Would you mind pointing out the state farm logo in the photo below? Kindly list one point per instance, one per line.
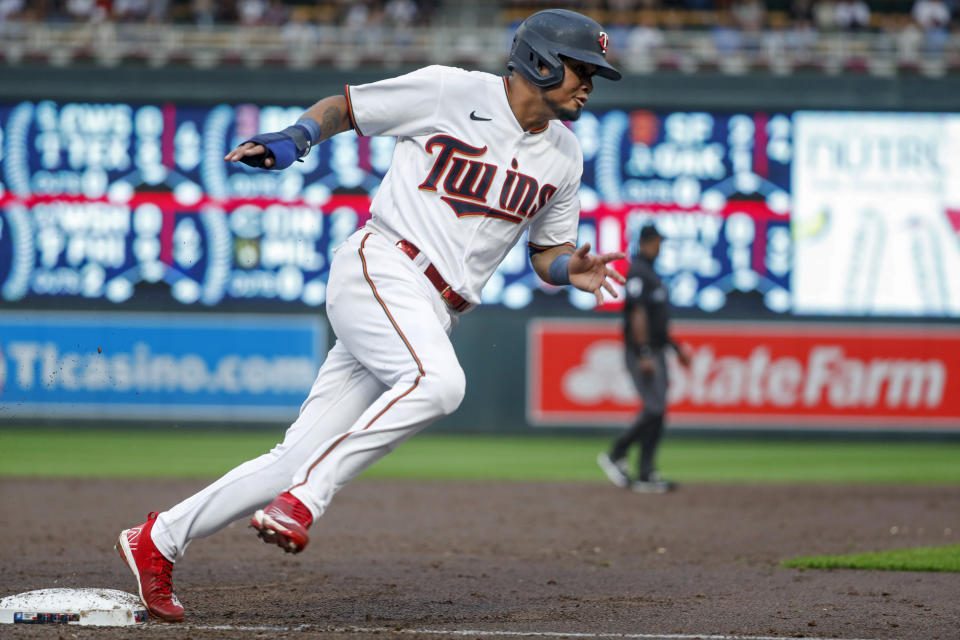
(602, 375)
(767, 375)
(827, 376)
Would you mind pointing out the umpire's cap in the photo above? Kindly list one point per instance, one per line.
(542, 38)
(649, 232)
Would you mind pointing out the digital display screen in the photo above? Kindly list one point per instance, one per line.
(877, 214)
(98, 199)
(716, 185)
(134, 203)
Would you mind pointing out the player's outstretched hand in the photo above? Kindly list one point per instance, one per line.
(248, 150)
(589, 272)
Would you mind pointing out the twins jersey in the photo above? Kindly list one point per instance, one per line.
(466, 180)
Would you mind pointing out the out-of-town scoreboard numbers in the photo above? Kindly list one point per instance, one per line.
(121, 202)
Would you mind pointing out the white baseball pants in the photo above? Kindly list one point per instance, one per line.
(391, 373)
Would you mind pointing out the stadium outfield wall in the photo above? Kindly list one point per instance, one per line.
(530, 371)
(812, 228)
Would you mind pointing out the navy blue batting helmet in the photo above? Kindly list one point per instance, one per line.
(542, 38)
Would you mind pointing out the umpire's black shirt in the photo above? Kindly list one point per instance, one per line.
(645, 288)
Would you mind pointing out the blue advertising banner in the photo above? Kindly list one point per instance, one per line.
(157, 366)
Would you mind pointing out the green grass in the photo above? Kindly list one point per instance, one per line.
(918, 559)
(184, 453)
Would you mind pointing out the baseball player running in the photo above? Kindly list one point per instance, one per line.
(479, 161)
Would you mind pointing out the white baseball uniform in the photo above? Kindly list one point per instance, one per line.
(464, 184)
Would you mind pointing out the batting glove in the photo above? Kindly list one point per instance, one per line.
(284, 147)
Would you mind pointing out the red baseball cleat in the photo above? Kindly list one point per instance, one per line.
(284, 523)
(152, 571)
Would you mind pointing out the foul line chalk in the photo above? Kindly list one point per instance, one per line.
(501, 634)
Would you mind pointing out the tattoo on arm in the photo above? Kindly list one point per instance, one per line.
(332, 122)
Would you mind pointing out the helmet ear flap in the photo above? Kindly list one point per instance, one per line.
(527, 59)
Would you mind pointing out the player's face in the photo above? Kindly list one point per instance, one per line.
(566, 100)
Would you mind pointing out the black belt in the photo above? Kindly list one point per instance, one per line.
(451, 297)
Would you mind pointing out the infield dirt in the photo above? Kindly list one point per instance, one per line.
(547, 557)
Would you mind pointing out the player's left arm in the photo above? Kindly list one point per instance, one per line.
(406, 105)
(562, 264)
(279, 150)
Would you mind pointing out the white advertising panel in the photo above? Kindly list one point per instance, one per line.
(874, 216)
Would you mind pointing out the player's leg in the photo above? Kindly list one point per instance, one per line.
(342, 390)
(394, 322)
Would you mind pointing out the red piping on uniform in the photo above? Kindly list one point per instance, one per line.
(383, 304)
(353, 121)
(350, 433)
(416, 382)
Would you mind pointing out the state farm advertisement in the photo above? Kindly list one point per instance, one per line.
(754, 375)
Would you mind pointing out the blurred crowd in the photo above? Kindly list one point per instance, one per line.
(795, 27)
(220, 12)
(636, 27)
(747, 15)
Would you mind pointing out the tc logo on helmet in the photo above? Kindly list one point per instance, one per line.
(604, 41)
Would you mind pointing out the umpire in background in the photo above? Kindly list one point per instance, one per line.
(646, 336)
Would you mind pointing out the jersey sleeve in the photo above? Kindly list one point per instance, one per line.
(558, 223)
(403, 106)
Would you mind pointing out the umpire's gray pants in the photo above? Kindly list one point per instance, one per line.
(652, 386)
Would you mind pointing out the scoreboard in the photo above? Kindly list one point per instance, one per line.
(716, 185)
(133, 204)
(123, 202)
(102, 198)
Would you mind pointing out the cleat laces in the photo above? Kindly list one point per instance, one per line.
(164, 579)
